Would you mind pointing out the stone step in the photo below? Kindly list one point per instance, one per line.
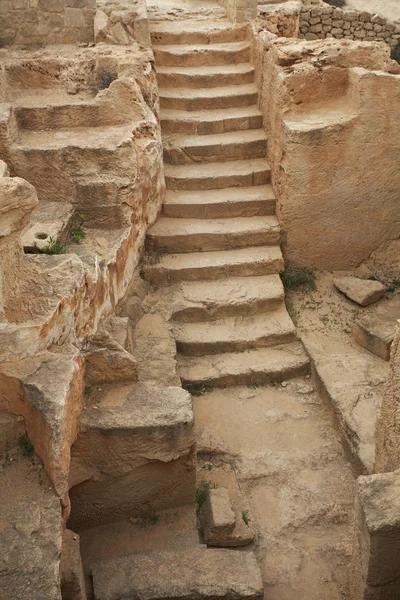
(196, 32)
(205, 77)
(213, 176)
(144, 425)
(243, 262)
(234, 145)
(103, 150)
(261, 366)
(195, 573)
(202, 235)
(227, 202)
(233, 334)
(204, 122)
(47, 116)
(230, 96)
(208, 300)
(200, 55)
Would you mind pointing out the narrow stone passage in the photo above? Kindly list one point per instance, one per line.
(216, 262)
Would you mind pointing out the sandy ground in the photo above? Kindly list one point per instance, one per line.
(298, 484)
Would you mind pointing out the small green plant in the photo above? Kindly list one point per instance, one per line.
(245, 517)
(88, 391)
(105, 79)
(298, 277)
(26, 446)
(201, 494)
(197, 389)
(53, 246)
(150, 517)
(78, 232)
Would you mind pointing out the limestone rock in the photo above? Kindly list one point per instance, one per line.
(30, 540)
(375, 333)
(362, 291)
(191, 575)
(209, 442)
(71, 569)
(17, 200)
(217, 517)
(375, 570)
(107, 361)
(3, 169)
(120, 331)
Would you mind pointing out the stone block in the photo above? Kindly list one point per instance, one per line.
(217, 517)
(4, 172)
(106, 361)
(73, 17)
(17, 200)
(199, 573)
(375, 333)
(71, 569)
(135, 451)
(361, 291)
(375, 568)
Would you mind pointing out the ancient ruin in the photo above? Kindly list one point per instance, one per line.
(199, 300)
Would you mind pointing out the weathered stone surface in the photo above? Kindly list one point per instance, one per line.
(375, 333)
(353, 383)
(48, 221)
(375, 570)
(193, 574)
(107, 361)
(17, 200)
(362, 291)
(387, 456)
(31, 526)
(71, 570)
(135, 451)
(309, 136)
(217, 517)
(3, 169)
(47, 392)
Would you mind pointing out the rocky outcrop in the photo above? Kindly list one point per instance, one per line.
(315, 138)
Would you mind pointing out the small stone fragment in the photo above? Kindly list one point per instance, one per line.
(362, 291)
(217, 517)
(376, 334)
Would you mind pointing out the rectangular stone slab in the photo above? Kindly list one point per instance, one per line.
(191, 575)
(376, 334)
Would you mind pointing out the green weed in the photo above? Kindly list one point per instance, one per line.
(201, 494)
(53, 246)
(294, 278)
(245, 517)
(197, 389)
(150, 517)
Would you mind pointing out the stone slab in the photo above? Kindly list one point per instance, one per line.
(361, 291)
(217, 516)
(376, 334)
(191, 575)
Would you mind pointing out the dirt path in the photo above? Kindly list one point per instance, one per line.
(292, 467)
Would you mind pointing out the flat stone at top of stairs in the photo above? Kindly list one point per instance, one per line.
(203, 300)
(203, 122)
(235, 333)
(91, 137)
(189, 235)
(242, 262)
(238, 173)
(196, 32)
(226, 202)
(190, 575)
(260, 366)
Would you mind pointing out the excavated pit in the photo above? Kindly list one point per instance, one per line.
(175, 422)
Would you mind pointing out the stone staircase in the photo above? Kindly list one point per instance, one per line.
(216, 244)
